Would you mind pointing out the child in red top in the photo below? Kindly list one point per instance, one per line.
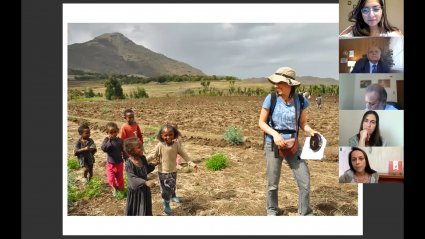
(131, 128)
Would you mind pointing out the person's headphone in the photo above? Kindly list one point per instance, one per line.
(316, 142)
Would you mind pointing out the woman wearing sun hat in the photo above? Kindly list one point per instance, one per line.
(285, 127)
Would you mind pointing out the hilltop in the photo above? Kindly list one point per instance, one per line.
(115, 53)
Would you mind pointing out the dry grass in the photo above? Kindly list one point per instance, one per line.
(170, 88)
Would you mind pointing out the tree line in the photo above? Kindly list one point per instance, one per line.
(114, 90)
(134, 79)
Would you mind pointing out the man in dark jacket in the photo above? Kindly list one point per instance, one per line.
(371, 64)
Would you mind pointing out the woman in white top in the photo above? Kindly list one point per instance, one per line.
(370, 19)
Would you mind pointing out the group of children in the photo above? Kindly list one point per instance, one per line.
(127, 148)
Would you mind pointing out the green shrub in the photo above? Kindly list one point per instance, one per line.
(73, 163)
(105, 110)
(216, 162)
(140, 92)
(233, 135)
(74, 94)
(189, 92)
(89, 93)
(94, 188)
(121, 194)
(73, 194)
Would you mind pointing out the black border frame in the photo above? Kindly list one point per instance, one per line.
(41, 109)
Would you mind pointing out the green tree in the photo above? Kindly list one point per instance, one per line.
(162, 79)
(387, 57)
(113, 89)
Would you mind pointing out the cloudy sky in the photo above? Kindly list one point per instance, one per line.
(243, 50)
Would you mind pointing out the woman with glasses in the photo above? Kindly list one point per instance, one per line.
(370, 19)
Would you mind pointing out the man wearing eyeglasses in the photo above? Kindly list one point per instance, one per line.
(376, 98)
(372, 63)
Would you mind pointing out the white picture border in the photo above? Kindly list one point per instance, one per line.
(198, 225)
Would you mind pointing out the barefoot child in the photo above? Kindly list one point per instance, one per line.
(166, 151)
(84, 149)
(139, 198)
(113, 147)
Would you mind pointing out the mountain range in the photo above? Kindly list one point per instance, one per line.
(115, 53)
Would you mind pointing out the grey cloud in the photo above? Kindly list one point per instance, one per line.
(242, 50)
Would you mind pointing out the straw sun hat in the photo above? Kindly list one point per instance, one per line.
(285, 74)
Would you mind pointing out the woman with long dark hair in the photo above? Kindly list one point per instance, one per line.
(369, 134)
(370, 19)
(360, 170)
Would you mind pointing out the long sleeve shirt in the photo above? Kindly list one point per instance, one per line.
(114, 150)
(137, 176)
(167, 155)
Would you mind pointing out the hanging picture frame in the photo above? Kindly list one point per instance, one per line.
(365, 83)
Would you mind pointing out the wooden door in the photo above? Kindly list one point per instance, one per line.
(400, 93)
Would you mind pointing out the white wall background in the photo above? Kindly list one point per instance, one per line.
(379, 157)
(346, 91)
(351, 96)
(391, 125)
(397, 45)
